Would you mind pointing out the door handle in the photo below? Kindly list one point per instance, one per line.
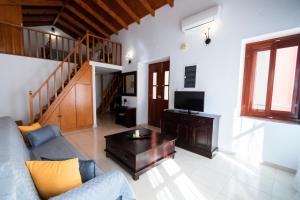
(158, 96)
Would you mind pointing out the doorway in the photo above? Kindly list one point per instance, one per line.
(158, 96)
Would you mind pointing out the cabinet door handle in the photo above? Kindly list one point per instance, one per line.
(59, 116)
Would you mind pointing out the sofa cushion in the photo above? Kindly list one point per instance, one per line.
(30, 128)
(15, 180)
(42, 135)
(52, 178)
(86, 167)
(112, 185)
(26, 129)
(58, 148)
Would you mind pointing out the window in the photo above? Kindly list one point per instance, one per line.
(271, 87)
(154, 85)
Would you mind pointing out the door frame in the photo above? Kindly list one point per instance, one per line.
(149, 89)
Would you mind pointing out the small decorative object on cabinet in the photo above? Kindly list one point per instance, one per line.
(126, 116)
(194, 132)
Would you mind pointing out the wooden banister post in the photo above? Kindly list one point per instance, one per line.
(87, 46)
(31, 107)
(79, 52)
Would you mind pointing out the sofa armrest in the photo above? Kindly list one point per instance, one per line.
(109, 186)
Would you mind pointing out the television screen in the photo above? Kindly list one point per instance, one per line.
(192, 101)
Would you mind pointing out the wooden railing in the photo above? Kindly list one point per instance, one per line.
(104, 50)
(33, 43)
(50, 89)
(110, 52)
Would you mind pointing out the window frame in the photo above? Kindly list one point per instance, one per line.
(249, 80)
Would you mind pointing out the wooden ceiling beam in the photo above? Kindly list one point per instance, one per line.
(170, 2)
(148, 7)
(70, 28)
(36, 23)
(41, 2)
(109, 11)
(86, 19)
(67, 31)
(68, 18)
(38, 18)
(128, 10)
(85, 6)
(58, 16)
(40, 12)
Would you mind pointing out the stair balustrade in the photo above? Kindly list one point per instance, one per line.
(45, 96)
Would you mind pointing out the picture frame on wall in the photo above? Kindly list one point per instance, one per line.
(190, 76)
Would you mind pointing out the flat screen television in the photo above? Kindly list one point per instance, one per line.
(190, 101)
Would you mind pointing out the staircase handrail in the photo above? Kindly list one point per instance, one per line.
(60, 66)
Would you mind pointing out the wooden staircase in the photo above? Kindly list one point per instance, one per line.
(112, 91)
(44, 101)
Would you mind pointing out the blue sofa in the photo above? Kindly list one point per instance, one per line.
(16, 182)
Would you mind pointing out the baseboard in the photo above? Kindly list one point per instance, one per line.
(269, 164)
(293, 171)
(226, 151)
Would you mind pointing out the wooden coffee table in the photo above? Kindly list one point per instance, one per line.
(139, 155)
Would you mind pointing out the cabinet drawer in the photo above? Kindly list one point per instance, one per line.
(122, 155)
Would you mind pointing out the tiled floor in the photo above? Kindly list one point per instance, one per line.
(190, 176)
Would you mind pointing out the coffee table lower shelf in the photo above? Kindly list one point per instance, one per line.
(135, 174)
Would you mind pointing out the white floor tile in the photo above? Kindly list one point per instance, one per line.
(190, 176)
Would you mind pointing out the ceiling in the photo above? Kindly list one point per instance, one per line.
(101, 17)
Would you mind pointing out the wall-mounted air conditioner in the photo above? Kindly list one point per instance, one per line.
(200, 19)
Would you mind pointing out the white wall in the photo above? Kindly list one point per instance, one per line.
(219, 71)
(18, 76)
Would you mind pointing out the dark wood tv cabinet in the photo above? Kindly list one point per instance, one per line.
(194, 132)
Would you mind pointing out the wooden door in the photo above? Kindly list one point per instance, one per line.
(68, 112)
(84, 106)
(158, 97)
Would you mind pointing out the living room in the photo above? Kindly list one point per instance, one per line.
(232, 142)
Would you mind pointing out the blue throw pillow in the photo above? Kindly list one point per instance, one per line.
(87, 168)
(42, 135)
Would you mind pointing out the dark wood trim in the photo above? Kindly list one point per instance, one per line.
(249, 80)
(124, 83)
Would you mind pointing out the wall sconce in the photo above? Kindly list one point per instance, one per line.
(129, 56)
(207, 38)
